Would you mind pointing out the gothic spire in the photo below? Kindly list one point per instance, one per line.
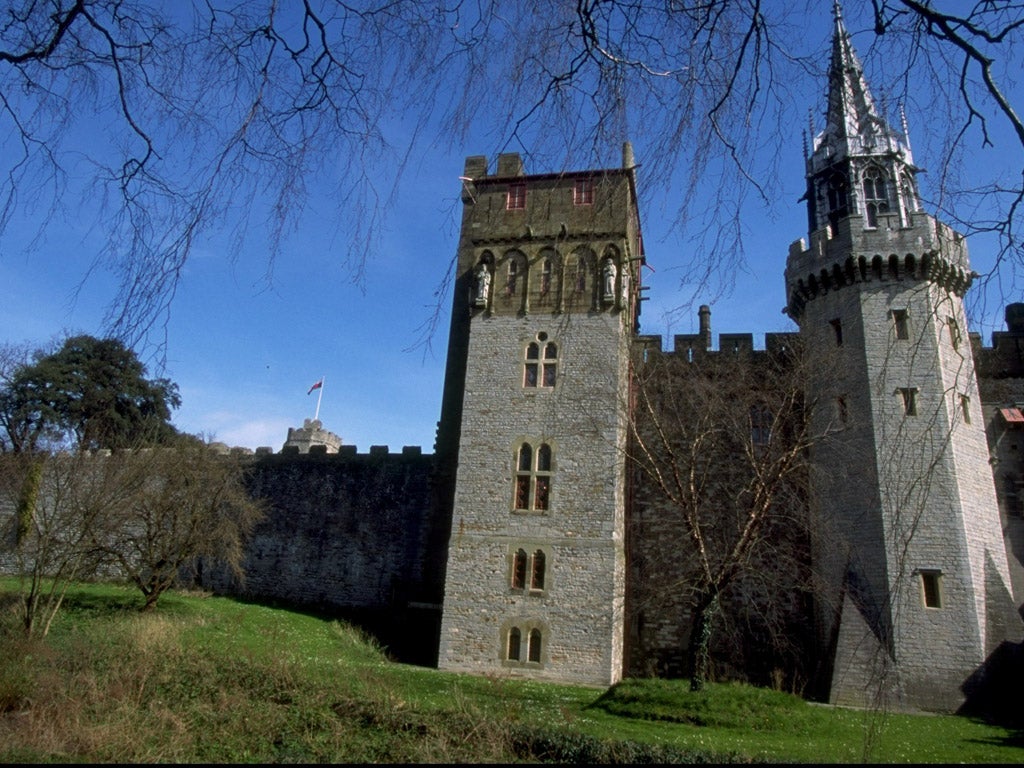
(853, 125)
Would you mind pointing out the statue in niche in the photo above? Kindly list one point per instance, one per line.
(483, 284)
(608, 287)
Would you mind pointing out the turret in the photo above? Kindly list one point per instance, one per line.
(908, 548)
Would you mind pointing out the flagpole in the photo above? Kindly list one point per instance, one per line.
(319, 397)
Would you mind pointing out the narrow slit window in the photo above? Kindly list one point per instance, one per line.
(837, 328)
(842, 410)
(965, 408)
(900, 324)
(909, 398)
(954, 332)
(931, 588)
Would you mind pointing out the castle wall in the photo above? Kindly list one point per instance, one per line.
(348, 532)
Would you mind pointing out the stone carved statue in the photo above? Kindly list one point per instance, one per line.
(608, 287)
(483, 284)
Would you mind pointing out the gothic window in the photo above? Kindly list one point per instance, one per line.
(900, 323)
(516, 197)
(954, 332)
(514, 643)
(533, 478)
(931, 588)
(965, 408)
(580, 282)
(837, 328)
(549, 367)
(909, 196)
(837, 202)
(909, 397)
(545, 277)
(538, 372)
(583, 192)
(524, 471)
(532, 365)
(519, 569)
(537, 572)
(528, 569)
(533, 646)
(876, 196)
(513, 276)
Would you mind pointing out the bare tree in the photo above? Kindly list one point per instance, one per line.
(178, 506)
(49, 540)
(719, 445)
(196, 110)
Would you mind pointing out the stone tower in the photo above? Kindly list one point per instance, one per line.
(534, 421)
(915, 592)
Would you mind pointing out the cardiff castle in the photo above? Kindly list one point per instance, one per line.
(879, 560)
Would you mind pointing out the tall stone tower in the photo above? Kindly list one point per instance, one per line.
(534, 421)
(909, 547)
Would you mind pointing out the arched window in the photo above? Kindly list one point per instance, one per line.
(545, 277)
(519, 569)
(908, 194)
(533, 477)
(876, 195)
(533, 646)
(531, 365)
(837, 202)
(513, 277)
(537, 572)
(537, 372)
(514, 644)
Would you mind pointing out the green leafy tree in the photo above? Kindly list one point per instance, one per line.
(90, 393)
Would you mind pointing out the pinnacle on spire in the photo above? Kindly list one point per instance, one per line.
(853, 124)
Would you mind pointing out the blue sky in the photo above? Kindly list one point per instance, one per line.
(244, 353)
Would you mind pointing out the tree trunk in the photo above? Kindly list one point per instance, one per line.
(27, 498)
(704, 610)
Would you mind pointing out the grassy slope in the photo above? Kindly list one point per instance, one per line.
(213, 679)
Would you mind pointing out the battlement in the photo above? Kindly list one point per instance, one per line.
(692, 345)
(854, 253)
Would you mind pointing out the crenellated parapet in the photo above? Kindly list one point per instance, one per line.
(856, 255)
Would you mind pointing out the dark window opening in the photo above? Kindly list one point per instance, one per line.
(837, 327)
(900, 323)
(533, 649)
(514, 643)
(931, 583)
(519, 569)
(909, 396)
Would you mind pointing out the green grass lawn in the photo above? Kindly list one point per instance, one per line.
(209, 679)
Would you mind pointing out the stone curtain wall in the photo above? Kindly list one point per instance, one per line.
(354, 534)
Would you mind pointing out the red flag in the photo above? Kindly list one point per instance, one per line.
(316, 386)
